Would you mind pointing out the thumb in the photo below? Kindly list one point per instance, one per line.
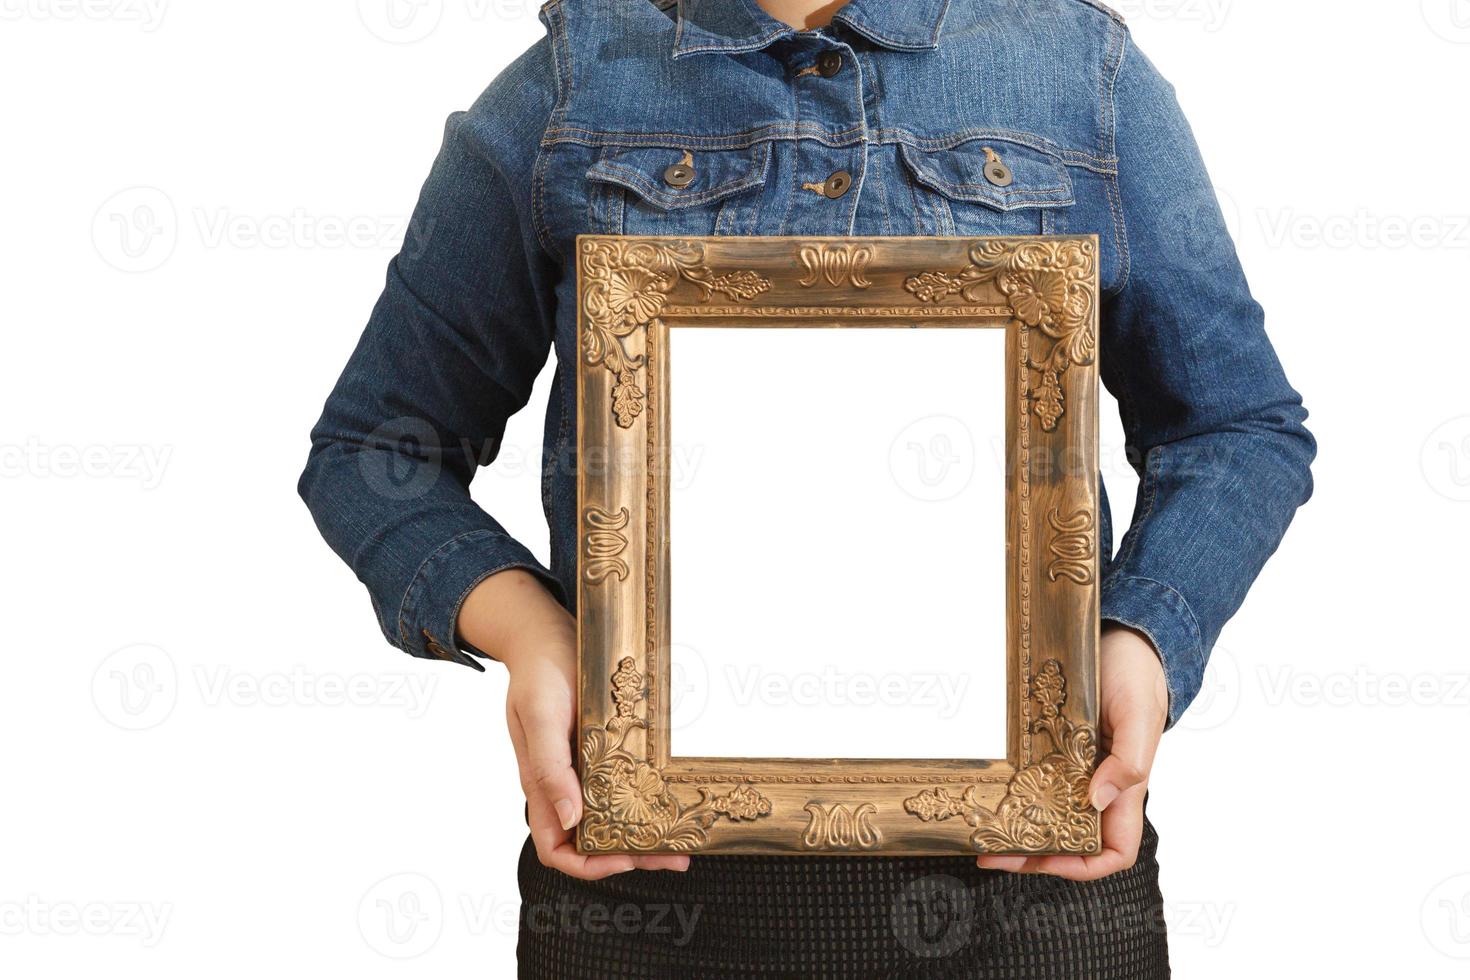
(1135, 738)
(546, 771)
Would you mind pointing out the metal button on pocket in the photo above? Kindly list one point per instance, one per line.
(829, 63)
(838, 184)
(995, 170)
(680, 174)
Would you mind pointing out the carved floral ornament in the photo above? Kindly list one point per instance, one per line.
(1046, 805)
(627, 803)
(1047, 284)
(1049, 287)
(627, 285)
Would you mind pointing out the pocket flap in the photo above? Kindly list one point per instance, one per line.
(717, 173)
(1037, 179)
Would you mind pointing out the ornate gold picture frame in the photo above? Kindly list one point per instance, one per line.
(1043, 292)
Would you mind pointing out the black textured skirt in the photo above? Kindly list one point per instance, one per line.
(843, 917)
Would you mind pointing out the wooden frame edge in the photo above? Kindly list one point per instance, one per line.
(1043, 290)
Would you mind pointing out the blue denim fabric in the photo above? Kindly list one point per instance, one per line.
(575, 136)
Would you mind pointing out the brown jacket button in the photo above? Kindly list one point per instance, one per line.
(829, 63)
(838, 184)
(995, 171)
(680, 174)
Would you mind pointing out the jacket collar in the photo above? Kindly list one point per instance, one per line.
(738, 26)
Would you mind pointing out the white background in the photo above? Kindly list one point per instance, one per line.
(858, 622)
(295, 779)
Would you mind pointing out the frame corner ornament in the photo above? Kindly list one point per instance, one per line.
(1050, 287)
(627, 803)
(625, 285)
(1046, 807)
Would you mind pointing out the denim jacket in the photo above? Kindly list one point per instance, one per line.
(882, 123)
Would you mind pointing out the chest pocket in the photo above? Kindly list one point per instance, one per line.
(989, 187)
(670, 190)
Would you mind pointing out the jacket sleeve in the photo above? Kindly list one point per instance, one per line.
(1213, 428)
(450, 352)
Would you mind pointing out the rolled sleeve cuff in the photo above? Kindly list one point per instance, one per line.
(430, 609)
(1162, 614)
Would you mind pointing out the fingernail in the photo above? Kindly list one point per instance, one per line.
(566, 814)
(1104, 795)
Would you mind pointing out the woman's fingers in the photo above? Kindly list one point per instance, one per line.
(1135, 738)
(541, 737)
(1122, 832)
(547, 767)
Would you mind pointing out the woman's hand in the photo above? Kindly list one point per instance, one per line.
(1135, 704)
(514, 619)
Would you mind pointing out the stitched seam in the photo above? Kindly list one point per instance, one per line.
(1104, 9)
(741, 46)
(991, 196)
(1112, 61)
(678, 29)
(416, 584)
(796, 181)
(459, 603)
(739, 140)
(1120, 234)
(920, 214)
(855, 20)
(638, 181)
(798, 130)
(992, 189)
(1043, 196)
(1191, 620)
(938, 183)
(561, 65)
(1114, 193)
(868, 66)
(950, 140)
